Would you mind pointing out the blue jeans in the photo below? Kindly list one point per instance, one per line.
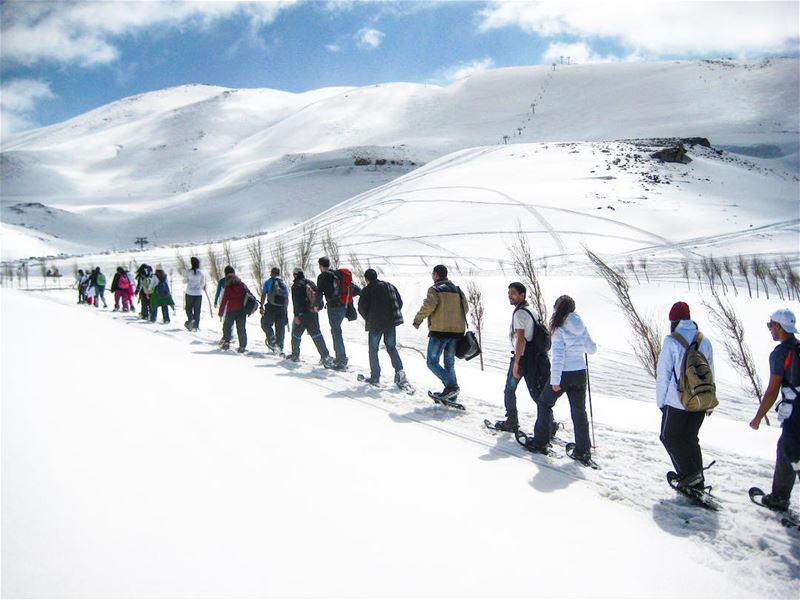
(308, 322)
(336, 315)
(436, 346)
(390, 341)
(510, 393)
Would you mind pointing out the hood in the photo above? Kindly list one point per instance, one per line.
(231, 280)
(687, 329)
(573, 324)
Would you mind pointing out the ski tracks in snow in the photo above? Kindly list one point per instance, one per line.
(633, 464)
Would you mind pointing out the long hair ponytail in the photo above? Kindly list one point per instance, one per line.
(564, 306)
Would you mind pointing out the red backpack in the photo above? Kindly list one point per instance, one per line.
(123, 283)
(343, 285)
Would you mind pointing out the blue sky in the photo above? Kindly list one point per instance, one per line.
(60, 59)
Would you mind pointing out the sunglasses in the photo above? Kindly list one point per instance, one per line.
(770, 324)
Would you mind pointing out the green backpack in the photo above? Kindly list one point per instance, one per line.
(696, 386)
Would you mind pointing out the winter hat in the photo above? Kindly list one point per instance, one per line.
(679, 311)
(785, 318)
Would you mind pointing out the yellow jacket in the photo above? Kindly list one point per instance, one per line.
(445, 307)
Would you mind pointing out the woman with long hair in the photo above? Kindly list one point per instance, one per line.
(195, 282)
(570, 341)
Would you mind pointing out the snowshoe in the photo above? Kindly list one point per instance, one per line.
(699, 496)
(584, 458)
(436, 397)
(368, 380)
(526, 441)
(789, 518)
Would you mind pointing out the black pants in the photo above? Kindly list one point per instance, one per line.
(573, 383)
(144, 302)
(193, 304)
(240, 318)
(785, 473)
(274, 316)
(679, 431)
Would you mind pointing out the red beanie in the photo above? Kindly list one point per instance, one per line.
(679, 310)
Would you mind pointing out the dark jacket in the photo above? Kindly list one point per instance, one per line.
(233, 296)
(299, 296)
(325, 284)
(380, 304)
(114, 282)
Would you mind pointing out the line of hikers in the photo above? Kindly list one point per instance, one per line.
(685, 388)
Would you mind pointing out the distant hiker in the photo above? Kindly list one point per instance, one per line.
(381, 306)
(195, 282)
(445, 307)
(784, 376)
(100, 287)
(274, 310)
(338, 289)
(131, 288)
(231, 309)
(160, 295)
(680, 419)
(80, 279)
(221, 284)
(121, 287)
(529, 342)
(306, 305)
(144, 274)
(570, 341)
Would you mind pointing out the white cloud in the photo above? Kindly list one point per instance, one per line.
(19, 98)
(368, 38)
(659, 27)
(333, 48)
(578, 53)
(461, 70)
(84, 32)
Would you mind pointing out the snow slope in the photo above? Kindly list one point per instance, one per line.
(166, 468)
(203, 163)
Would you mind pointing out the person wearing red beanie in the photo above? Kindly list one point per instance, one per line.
(679, 426)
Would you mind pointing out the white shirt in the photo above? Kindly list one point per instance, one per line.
(521, 320)
(195, 282)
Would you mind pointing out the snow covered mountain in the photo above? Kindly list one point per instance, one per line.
(201, 163)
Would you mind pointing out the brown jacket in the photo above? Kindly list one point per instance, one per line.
(445, 307)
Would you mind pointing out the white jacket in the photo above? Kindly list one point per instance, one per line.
(570, 342)
(195, 282)
(670, 361)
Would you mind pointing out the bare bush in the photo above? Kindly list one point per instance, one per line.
(772, 276)
(727, 266)
(643, 264)
(525, 265)
(255, 250)
(716, 267)
(305, 247)
(632, 268)
(761, 273)
(226, 251)
(358, 268)
(708, 271)
(698, 273)
(792, 280)
(744, 270)
(476, 309)
(330, 247)
(180, 264)
(215, 266)
(724, 316)
(43, 271)
(685, 270)
(646, 334)
(279, 256)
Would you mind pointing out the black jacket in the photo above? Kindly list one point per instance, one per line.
(376, 306)
(299, 296)
(325, 284)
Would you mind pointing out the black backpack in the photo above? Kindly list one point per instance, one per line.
(277, 294)
(535, 364)
(249, 302)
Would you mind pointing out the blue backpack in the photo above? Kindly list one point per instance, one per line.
(162, 287)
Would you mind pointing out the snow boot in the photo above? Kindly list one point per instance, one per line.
(779, 503)
(510, 425)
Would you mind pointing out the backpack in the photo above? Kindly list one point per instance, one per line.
(312, 296)
(124, 283)
(277, 294)
(249, 302)
(790, 386)
(535, 364)
(162, 288)
(342, 285)
(101, 280)
(696, 386)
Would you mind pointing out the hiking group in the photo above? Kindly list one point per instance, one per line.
(552, 359)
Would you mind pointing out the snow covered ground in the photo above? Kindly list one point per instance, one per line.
(171, 164)
(139, 460)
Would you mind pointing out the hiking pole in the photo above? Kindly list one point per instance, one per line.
(589, 389)
(210, 312)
